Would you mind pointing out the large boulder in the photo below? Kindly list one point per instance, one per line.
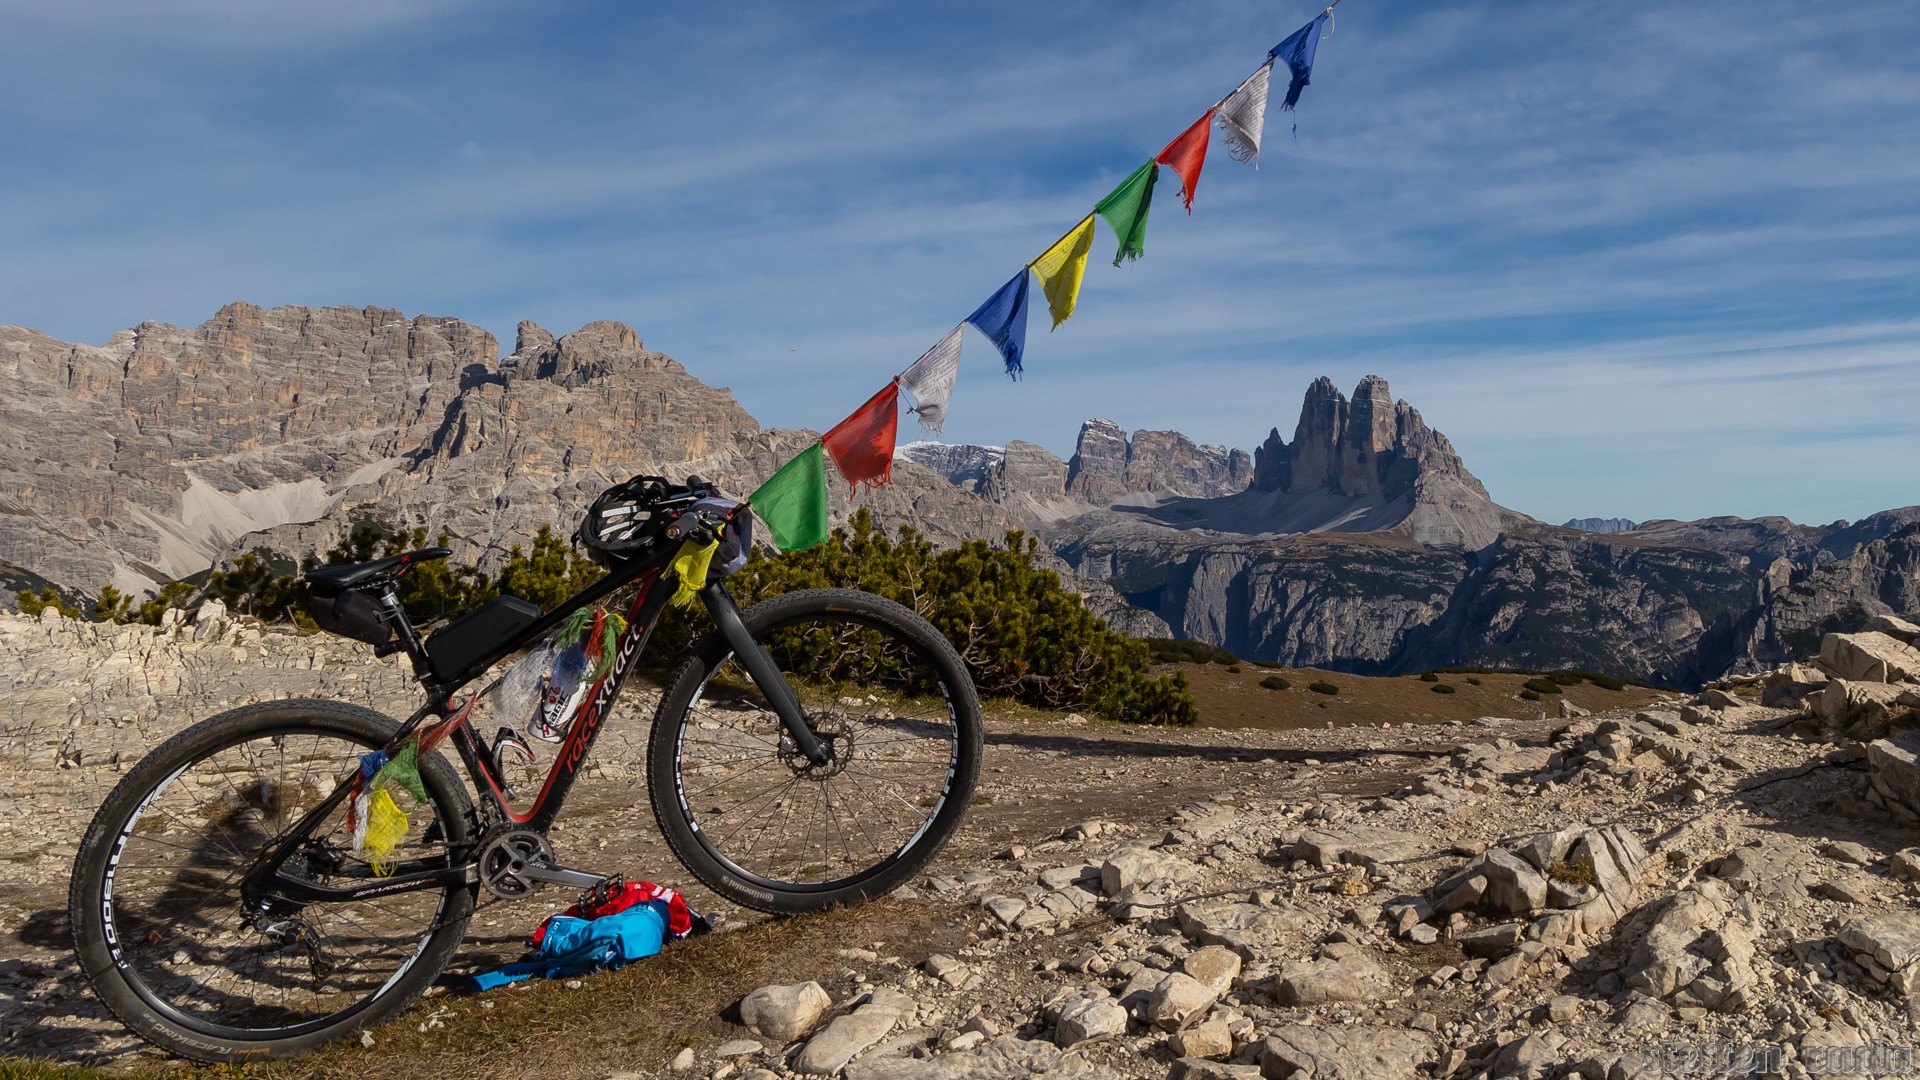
(1860, 710)
(1004, 1058)
(845, 1036)
(784, 1013)
(1344, 1053)
(1888, 947)
(1352, 977)
(1893, 778)
(1360, 845)
(1577, 880)
(1247, 929)
(1870, 657)
(1695, 948)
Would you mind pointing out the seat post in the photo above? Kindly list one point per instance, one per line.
(396, 615)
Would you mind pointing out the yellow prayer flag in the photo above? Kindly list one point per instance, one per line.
(1062, 266)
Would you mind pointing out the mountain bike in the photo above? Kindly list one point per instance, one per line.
(815, 750)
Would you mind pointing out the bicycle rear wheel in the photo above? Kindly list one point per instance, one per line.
(889, 700)
(158, 920)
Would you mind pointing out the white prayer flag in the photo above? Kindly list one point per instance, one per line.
(1243, 114)
(930, 381)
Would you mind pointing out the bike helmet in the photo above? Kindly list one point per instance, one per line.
(629, 518)
(632, 517)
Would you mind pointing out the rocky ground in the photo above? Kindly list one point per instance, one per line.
(1718, 884)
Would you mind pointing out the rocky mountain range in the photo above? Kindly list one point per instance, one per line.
(1361, 543)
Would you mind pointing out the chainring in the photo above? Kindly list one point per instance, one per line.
(503, 861)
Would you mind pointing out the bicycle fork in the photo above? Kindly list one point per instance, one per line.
(763, 671)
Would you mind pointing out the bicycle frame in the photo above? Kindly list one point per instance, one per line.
(267, 882)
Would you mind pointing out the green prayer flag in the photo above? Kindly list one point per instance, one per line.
(794, 502)
(1125, 208)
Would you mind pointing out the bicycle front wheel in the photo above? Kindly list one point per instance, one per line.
(159, 922)
(890, 702)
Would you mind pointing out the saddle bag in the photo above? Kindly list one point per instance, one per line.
(349, 613)
(476, 635)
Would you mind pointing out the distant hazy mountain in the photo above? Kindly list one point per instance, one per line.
(1602, 525)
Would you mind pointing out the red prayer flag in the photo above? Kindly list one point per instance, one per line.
(862, 444)
(1186, 154)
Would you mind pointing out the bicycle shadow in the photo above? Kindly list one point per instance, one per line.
(46, 1011)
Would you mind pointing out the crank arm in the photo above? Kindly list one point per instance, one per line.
(560, 875)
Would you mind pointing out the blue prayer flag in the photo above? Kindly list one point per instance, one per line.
(1003, 318)
(1297, 53)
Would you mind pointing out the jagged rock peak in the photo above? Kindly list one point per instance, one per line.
(595, 350)
(530, 338)
(1108, 465)
(1369, 444)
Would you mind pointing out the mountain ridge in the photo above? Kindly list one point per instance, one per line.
(1363, 542)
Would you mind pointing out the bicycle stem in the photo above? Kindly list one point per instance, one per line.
(761, 668)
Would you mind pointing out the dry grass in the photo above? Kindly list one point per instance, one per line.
(1237, 700)
(1580, 871)
(632, 1019)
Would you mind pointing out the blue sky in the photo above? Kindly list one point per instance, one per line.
(1650, 260)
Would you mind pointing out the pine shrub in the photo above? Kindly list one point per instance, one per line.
(1021, 634)
(1441, 688)
(1275, 682)
(1529, 695)
(1182, 651)
(1542, 686)
(1326, 688)
(33, 603)
(1429, 677)
(1567, 678)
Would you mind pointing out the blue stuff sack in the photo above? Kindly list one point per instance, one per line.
(582, 946)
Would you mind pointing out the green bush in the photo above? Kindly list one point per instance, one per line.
(1529, 695)
(112, 605)
(256, 584)
(1180, 651)
(1275, 682)
(1021, 634)
(174, 594)
(1542, 686)
(1471, 681)
(1441, 688)
(1323, 688)
(1267, 663)
(1607, 682)
(33, 603)
(1233, 669)
(1429, 677)
(1567, 678)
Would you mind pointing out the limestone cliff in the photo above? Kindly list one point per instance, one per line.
(150, 457)
(1361, 543)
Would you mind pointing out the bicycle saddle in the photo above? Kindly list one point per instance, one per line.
(347, 575)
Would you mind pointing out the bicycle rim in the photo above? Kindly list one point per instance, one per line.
(171, 903)
(885, 713)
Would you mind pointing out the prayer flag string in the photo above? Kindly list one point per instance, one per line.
(793, 502)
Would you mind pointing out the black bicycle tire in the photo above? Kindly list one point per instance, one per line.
(86, 900)
(664, 782)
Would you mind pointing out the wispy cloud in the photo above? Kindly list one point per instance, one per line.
(1647, 261)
